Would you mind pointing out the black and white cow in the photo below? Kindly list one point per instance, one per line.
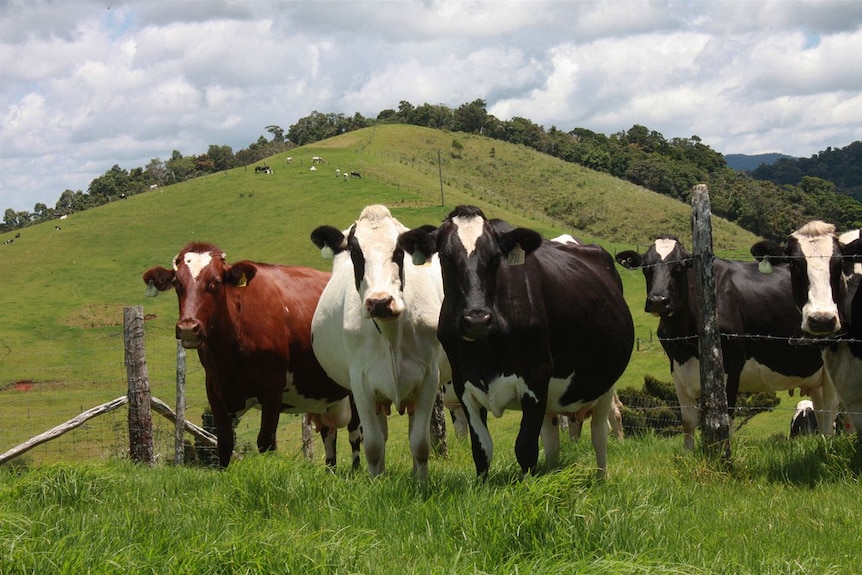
(527, 324)
(751, 308)
(825, 282)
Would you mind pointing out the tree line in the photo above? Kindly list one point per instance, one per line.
(770, 201)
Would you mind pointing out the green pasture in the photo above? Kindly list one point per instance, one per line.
(64, 291)
(785, 507)
(659, 512)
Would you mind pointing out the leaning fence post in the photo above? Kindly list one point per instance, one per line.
(180, 429)
(140, 416)
(715, 422)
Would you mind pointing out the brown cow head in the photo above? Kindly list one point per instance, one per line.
(200, 276)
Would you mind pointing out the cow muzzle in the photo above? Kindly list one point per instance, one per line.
(658, 305)
(476, 325)
(189, 333)
(821, 323)
(382, 308)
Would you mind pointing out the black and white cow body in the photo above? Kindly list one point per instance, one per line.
(527, 324)
(756, 317)
(825, 283)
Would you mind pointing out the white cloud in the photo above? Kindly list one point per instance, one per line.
(86, 85)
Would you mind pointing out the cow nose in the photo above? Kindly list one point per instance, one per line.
(822, 323)
(379, 307)
(189, 332)
(656, 303)
(477, 324)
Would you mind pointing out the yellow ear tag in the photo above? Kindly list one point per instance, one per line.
(765, 267)
(516, 256)
(419, 259)
(151, 291)
(326, 252)
(243, 281)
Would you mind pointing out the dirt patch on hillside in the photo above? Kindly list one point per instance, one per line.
(99, 315)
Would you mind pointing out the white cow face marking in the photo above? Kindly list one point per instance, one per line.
(664, 247)
(196, 262)
(470, 229)
(817, 251)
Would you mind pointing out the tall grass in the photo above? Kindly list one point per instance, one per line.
(660, 511)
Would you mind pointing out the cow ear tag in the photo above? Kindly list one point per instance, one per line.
(326, 252)
(242, 282)
(151, 290)
(419, 259)
(516, 256)
(765, 267)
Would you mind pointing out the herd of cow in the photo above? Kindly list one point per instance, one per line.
(511, 320)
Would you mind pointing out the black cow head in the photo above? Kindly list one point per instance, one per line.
(665, 266)
(819, 274)
(471, 249)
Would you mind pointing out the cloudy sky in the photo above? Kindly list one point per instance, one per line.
(85, 85)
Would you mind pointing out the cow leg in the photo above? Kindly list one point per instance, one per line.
(420, 424)
(329, 435)
(354, 430)
(268, 424)
(599, 431)
(843, 369)
(825, 400)
(374, 431)
(615, 417)
(459, 421)
(532, 419)
(224, 434)
(551, 439)
(688, 407)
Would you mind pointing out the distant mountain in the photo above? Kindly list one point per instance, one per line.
(746, 163)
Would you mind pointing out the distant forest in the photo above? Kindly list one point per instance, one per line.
(770, 201)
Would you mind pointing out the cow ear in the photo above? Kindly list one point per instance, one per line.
(527, 239)
(853, 250)
(766, 253)
(329, 240)
(767, 249)
(158, 279)
(239, 274)
(421, 243)
(630, 259)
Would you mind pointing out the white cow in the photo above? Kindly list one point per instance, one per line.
(375, 330)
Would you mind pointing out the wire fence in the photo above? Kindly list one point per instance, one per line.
(31, 405)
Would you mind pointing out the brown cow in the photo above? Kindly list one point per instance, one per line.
(251, 325)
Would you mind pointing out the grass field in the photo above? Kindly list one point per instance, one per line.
(659, 512)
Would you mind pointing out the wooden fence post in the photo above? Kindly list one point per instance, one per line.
(180, 428)
(714, 419)
(140, 415)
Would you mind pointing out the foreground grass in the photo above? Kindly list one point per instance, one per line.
(787, 507)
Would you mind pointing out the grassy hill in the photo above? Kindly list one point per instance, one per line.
(63, 291)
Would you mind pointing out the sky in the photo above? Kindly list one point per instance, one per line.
(85, 85)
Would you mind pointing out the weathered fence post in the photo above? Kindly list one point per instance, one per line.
(714, 420)
(140, 415)
(307, 437)
(180, 429)
(438, 426)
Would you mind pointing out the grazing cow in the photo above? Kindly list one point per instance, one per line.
(527, 324)
(316, 160)
(355, 174)
(374, 330)
(251, 325)
(825, 285)
(804, 420)
(288, 160)
(756, 318)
